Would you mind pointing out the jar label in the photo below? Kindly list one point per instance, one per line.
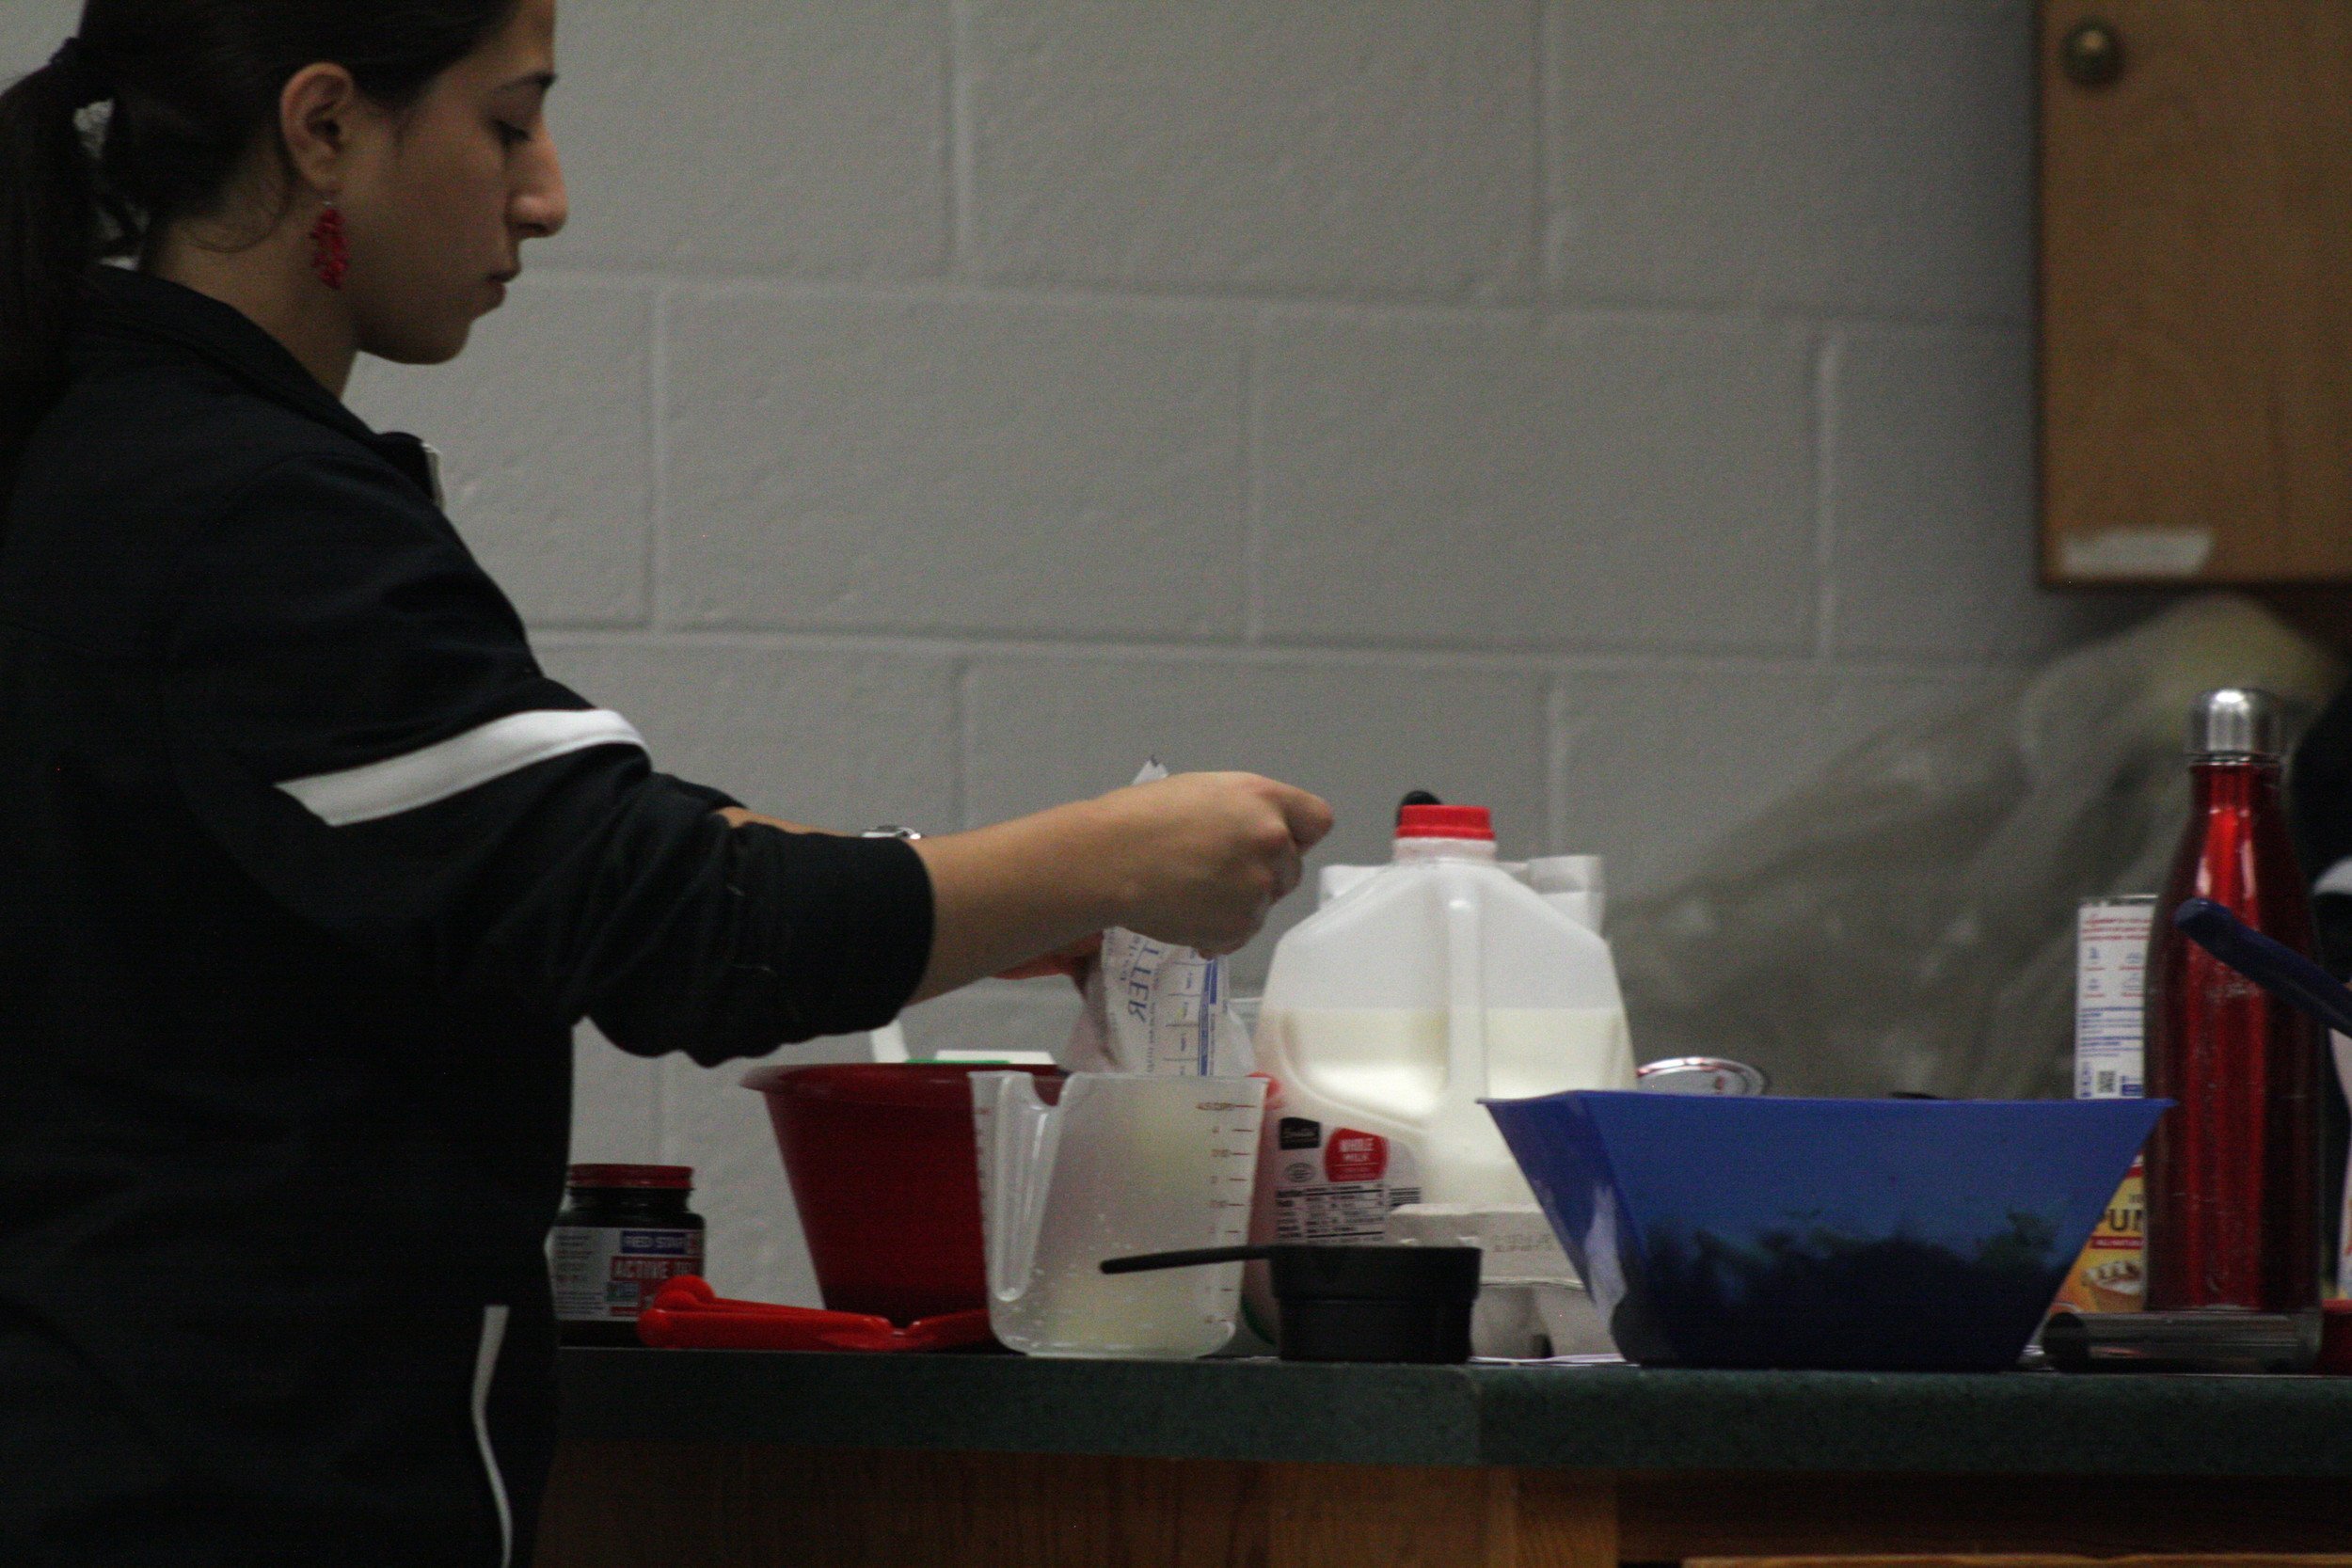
(605, 1274)
(1337, 1183)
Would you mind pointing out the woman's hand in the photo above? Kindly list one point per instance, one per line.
(1202, 856)
(1195, 860)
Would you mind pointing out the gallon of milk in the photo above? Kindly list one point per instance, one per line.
(1435, 980)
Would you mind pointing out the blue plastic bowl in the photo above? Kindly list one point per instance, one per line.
(1891, 1234)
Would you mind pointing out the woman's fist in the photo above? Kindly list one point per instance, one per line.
(1198, 858)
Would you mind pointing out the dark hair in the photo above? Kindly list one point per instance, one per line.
(190, 88)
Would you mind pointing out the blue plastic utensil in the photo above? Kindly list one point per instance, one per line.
(2270, 964)
(1730, 1231)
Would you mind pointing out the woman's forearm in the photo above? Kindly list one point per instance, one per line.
(1001, 896)
(1196, 859)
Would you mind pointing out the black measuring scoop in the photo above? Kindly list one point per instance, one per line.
(1371, 1303)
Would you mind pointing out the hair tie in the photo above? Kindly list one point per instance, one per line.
(73, 62)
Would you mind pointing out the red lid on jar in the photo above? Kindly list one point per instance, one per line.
(673, 1177)
(1446, 822)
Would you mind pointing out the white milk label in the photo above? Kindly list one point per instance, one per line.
(1334, 1183)
(605, 1274)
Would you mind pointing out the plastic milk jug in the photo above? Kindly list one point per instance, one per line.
(1437, 981)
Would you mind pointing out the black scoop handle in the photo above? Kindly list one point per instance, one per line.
(1143, 1261)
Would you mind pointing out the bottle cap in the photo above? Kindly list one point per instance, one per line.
(2235, 720)
(1473, 822)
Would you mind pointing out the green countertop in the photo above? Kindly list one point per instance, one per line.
(1596, 1417)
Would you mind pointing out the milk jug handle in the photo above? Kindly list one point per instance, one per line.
(1465, 996)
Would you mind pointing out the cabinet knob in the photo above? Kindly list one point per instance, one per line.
(2092, 54)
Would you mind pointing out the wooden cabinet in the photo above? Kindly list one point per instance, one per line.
(2196, 290)
(726, 1505)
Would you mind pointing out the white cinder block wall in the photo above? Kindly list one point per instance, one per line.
(1604, 410)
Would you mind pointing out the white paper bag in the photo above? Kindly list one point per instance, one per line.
(1153, 1006)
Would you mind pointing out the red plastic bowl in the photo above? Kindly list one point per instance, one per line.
(885, 1173)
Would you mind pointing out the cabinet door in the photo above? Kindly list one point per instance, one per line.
(2196, 291)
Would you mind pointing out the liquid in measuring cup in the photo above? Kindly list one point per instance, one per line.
(1125, 1163)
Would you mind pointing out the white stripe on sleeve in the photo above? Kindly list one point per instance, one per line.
(2336, 878)
(485, 1366)
(452, 766)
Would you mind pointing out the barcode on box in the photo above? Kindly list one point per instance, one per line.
(2111, 990)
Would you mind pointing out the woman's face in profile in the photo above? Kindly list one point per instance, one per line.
(443, 196)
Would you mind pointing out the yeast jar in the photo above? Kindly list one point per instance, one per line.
(624, 1230)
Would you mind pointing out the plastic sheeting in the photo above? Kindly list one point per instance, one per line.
(1906, 921)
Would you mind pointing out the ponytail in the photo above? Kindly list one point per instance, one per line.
(49, 235)
(191, 90)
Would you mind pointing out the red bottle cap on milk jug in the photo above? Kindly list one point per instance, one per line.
(1474, 822)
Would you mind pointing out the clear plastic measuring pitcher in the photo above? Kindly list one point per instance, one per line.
(1125, 1163)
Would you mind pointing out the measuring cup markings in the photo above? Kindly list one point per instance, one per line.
(1122, 1168)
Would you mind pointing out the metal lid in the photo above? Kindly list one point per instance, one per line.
(1699, 1075)
(2235, 720)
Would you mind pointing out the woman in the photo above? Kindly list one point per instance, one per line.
(309, 870)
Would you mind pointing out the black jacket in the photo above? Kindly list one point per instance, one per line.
(306, 873)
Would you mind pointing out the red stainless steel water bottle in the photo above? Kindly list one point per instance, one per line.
(2234, 1179)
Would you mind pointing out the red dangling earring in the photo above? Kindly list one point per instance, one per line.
(330, 254)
